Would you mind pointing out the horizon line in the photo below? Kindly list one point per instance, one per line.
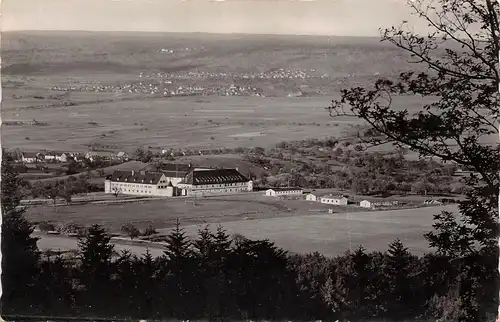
(187, 32)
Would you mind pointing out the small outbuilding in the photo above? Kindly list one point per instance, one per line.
(274, 192)
(312, 197)
(365, 204)
(340, 200)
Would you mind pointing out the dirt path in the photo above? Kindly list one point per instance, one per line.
(69, 243)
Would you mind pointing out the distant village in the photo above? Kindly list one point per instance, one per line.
(172, 84)
(63, 157)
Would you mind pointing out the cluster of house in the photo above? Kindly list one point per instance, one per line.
(329, 199)
(54, 156)
(178, 180)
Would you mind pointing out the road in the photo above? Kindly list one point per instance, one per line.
(65, 243)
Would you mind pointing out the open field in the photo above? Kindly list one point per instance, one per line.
(324, 233)
(163, 213)
(177, 123)
(333, 234)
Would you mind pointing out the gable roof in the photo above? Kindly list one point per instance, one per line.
(213, 176)
(99, 154)
(135, 177)
(175, 170)
(334, 197)
(30, 154)
(170, 170)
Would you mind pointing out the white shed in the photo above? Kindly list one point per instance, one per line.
(365, 204)
(311, 197)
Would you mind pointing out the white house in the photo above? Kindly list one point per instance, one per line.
(30, 157)
(312, 197)
(334, 200)
(275, 192)
(122, 155)
(63, 157)
(365, 204)
(94, 155)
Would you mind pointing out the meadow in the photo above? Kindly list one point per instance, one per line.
(34, 63)
(305, 229)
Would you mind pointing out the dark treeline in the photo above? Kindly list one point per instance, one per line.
(218, 277)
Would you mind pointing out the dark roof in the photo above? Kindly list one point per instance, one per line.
(175, 167)
(285, 189)
(30, 154)
(214, 176)
(173, 170)
(136, 177)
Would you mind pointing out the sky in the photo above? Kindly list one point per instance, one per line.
(321, 17)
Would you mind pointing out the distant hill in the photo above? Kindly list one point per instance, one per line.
(64, 53)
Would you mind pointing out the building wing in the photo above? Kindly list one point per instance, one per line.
(136, 177)
(214, 176)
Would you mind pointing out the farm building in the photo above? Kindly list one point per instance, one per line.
(139, 183)
(312, 197)
(94, 155)
(122, 155)
(335, 200)
(365, 204)
(31, 157)
(60, 156)
(274, 192)
(375, 204)
(206, 182)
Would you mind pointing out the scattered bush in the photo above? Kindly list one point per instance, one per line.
(70, 228)
(46, 227)
(130, 230)
(149, 231)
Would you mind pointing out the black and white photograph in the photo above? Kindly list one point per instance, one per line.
(250, 160)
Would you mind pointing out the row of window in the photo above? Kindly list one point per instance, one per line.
(133, 190)
(132, 185)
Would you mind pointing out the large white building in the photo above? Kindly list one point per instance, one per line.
(183, 181)
(139, 183)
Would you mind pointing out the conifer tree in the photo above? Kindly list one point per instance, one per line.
(20, 253)
(402, 292)
(180, 267)
(96, 268)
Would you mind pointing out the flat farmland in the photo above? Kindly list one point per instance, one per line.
(163, 213)
(333, 234)
(300, 230)
(186, 122)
